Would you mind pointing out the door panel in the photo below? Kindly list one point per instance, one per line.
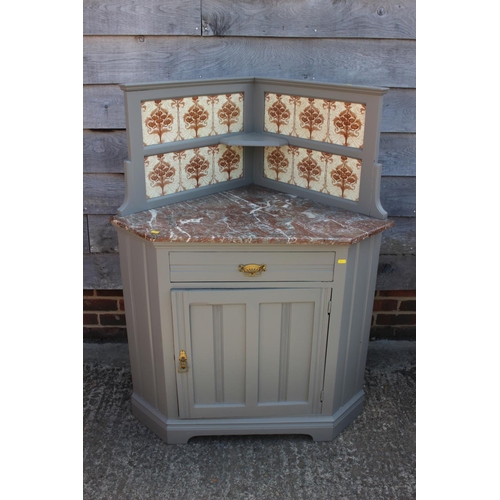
(285, 342)
(298, 364)
(250, 352)
(218, 353)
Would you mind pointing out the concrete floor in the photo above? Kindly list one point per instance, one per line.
(373, 458)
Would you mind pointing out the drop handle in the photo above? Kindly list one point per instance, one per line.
(252, 270)
(182, 362)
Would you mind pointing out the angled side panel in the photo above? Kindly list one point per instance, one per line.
(130, 301)
(136, 290)
(357, 306)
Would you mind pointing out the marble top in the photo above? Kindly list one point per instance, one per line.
(251, 214)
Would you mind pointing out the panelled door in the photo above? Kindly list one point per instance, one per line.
(250, 353)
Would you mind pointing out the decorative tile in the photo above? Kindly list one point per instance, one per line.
(316, 170)
(189, 169)
(336, 122)
(172, 120)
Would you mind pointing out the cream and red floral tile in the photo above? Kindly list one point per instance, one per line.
(316, 170)
(172, 120)
(336, 122)
(188, 169)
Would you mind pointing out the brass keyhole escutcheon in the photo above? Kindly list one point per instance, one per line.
(182, 362)
(252, 270)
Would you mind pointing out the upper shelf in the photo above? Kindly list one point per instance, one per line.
(253, 139)
(319, 141)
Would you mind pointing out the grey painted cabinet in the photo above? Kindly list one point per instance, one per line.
(281, 352)
(249, 240)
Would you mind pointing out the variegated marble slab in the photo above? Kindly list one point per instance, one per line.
(252, 214)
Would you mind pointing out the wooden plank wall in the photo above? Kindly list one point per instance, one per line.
(338, 41)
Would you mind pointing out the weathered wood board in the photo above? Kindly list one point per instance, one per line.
(400, 239)
(398, 196)
(104, 151)
(397, 154)
(310, 18)
(103, 193)
(120, 59)
(103, 107)
(141, 17)
(396, 272)
(101, 271)
(102, 235)
(86, 242)
(256, 18)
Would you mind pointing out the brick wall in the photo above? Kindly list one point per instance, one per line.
(104, 315)
(394, 315)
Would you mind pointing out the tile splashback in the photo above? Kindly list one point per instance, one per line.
(192, 168)
(316, 170)
(336, 122)
(170, 120)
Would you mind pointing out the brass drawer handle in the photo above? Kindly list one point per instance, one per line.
(182, 362)
(252, 270)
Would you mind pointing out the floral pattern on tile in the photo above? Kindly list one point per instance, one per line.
(189, 169)
(336, 122)
(171, 120)
(316, 170)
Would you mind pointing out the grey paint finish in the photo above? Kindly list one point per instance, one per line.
(224, 266)
(180, 431)
(251, 353)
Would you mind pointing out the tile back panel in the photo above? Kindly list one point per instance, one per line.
(192, 168)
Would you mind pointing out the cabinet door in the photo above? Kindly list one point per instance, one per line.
(250, 353)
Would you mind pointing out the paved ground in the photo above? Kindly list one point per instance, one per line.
(374, 458)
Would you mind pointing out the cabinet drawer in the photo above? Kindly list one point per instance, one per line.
(188, 267)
